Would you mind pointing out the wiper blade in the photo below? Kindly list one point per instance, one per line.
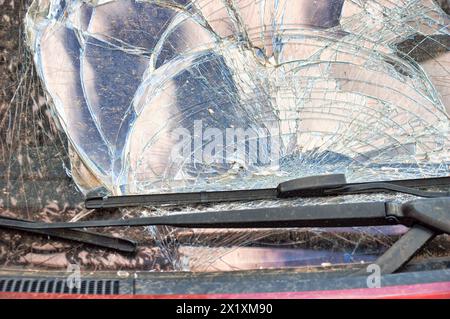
(314, 186)
(84, 237)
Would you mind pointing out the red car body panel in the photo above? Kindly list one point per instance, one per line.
(440, 290)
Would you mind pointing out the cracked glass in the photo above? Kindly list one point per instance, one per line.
(136, 97)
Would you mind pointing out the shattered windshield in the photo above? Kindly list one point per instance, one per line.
(172, 95)
(118, 97)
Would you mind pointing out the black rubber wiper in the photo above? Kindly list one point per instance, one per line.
(81, 236)
(314, 186)
(425, 217)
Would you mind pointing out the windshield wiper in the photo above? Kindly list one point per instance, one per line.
(84, 237)
(313, 186)
(425, 217)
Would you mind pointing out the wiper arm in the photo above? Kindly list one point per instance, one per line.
(314, 186)
(84, 237)
(433, 213)
(357, 214)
